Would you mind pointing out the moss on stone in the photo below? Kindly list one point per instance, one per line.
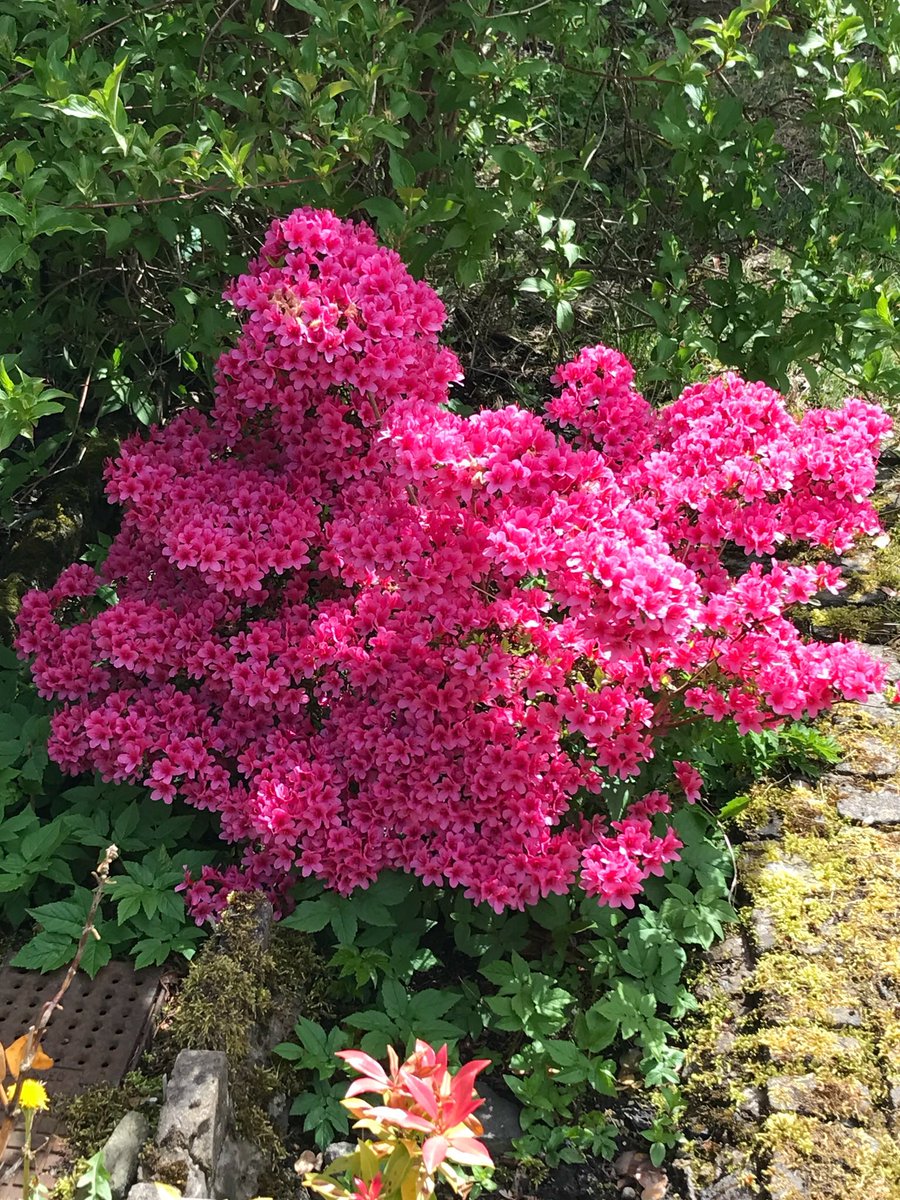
(242, 982)
(171, 1172)
(89, 1117)
(877, 623)
(827, 1160)
(820, 1000)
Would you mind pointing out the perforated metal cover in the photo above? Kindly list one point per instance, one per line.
(96, 1037)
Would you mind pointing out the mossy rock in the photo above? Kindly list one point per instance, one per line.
(819, 1006)
(247, 982)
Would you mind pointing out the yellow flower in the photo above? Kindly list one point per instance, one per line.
(33, 1094)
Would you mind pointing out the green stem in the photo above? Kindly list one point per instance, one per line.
(26, 1156)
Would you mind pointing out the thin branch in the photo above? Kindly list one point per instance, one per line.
(141, 201)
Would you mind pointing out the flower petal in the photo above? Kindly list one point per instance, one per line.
(470, 1152)
(434, 1151)
(401, 1118)
(365, 1064)
(420, 1091)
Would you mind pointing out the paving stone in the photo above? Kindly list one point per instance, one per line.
(867, 806)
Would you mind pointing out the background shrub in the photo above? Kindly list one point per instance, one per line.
(707, 190)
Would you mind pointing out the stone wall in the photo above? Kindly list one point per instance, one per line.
(793, 1075)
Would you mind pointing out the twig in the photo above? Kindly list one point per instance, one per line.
(141, 201)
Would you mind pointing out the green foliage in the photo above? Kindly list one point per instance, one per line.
(94, 1181)
(320, 1104)
(731, 761)
(50, 835)
(562, 997)
(558, 286)
(733, 180)
(23, 402)
(555, 996)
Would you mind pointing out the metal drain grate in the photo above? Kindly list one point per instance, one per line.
(96, 1037)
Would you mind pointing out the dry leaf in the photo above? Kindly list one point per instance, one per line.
(16, 1052)
(636, 1166)
(2, 1064)
(308, 1161)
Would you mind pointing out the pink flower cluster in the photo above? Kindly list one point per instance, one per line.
(370, 633)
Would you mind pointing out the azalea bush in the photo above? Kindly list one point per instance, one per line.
(368, 632)
(424, 1129)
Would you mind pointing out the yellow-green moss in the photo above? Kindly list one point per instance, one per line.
(859, 622)
(172, 1173)
(830, 1160)
(829, 891)
(882, 570)
(90, 1117)
(234, 985)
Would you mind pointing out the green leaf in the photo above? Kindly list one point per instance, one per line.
(733, 807)
(46, 952)
(565, 316)
(12, 249)
(95, 1179)
(118, 233)
(81, 107)
(51, 219)
(508, 159)
(388, 214)
(309, 917)
(289, 1050)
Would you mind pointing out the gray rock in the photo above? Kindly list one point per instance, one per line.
(197, 1186)
(890, 659)
(749, 1107)
(784, 1181)
(876, 806)
(336, 1150)
(122, 1151)
(806, 1096)
(238, 1169)
(844, 1018)
(500, 1118)
(763, 925)
(153, 1191)
(793, 1094)
(194, 1116)
(729, 1187)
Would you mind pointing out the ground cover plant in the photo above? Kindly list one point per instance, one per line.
(51, 831)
